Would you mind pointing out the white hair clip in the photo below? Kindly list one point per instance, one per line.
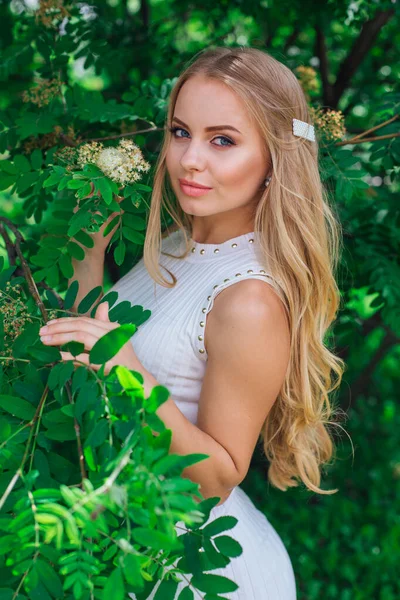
(303, 129)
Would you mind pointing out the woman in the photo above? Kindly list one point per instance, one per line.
(237, 336)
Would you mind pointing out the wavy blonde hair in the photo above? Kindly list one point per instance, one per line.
(301, 240)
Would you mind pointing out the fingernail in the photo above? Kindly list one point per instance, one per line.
(43, 329)
(52, 321)
(46, 338)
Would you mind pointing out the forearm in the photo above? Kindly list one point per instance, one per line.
(217, 475)
(89, 272)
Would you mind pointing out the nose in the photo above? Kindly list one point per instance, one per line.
(192, 158)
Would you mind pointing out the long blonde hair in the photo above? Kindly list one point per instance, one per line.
(301, 240)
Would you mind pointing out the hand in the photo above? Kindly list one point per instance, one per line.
(87, 331)
(101, 242)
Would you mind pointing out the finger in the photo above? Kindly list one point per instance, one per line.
(58, 339)
(102, 312)
(79, 320)
(92, 326)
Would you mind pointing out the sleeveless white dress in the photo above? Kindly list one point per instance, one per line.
(170, 345)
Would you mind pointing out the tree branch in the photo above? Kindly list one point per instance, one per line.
(321, 52)
(363, 44)
(25, 267)
(292, 38)
(360, 137)
(11, 253)
(370, 139)
(362, 383)
(123, 135)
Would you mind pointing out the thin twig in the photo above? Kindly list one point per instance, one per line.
(78, 439)
(25, 267)
(368, 131)
(368, 139)
(12, 255)
(19, 472)
(123, 135)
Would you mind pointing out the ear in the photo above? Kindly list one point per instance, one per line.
(102, 312)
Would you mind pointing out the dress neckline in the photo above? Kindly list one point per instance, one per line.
(199, 252)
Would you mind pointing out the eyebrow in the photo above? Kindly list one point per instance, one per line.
(213, 128)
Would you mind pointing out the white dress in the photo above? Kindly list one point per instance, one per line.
(170, 345)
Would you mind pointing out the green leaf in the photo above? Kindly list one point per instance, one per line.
(142, 187)
(78, 221)
(44, 354)
(71, 294)
(166, 590)
(192, 545)
(132, 570)
(186, 594)
(87, 302)
(75, 184)
(127, 379)
(90, 458)
(114, 587)
(26, 181)
(134, 222)
(36, 159)
(228, 546)
(34, 123)
(52, 298)
(103, 186)
(119, 252)
(111, 225)
(158, 395)
(54, 179)
(6, 181)
(99, 434)
(219, 525)
(65, 264)
(75, 251)
(29, 336)
(84, 238)
(156, 540)
(174, 464)
(133, 236)
(49, 578)
(8, 167)
(18, 407)
(216, 559)
(62, 432)
(73, 348)
(22, 163)
(214, 584)
(111, 343)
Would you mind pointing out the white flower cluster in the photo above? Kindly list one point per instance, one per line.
(122, 164)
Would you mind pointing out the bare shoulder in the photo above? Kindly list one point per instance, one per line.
(250, 305)
(248, 347)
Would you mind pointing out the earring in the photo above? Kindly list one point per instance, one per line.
(267, 181)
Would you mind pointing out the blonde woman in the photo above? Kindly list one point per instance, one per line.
(242, 293)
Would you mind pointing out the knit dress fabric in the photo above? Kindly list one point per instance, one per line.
(170, 345)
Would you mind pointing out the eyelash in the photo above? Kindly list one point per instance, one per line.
(174, 129)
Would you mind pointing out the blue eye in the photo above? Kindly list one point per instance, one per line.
(173, 130)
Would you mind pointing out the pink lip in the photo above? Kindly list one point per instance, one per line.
(193, 184)
(193, 191)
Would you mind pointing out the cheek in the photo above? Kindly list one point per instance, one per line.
(244, 170)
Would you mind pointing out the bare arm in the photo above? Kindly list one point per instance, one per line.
(248, 347)
(89, 273)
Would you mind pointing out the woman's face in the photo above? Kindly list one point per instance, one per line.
(231, 159)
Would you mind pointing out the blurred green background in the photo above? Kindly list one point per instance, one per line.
(75, 71)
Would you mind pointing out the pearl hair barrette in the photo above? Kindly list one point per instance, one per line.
(300, 129)
(303, 129)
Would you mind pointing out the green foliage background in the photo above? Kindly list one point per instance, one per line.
(117, 60)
